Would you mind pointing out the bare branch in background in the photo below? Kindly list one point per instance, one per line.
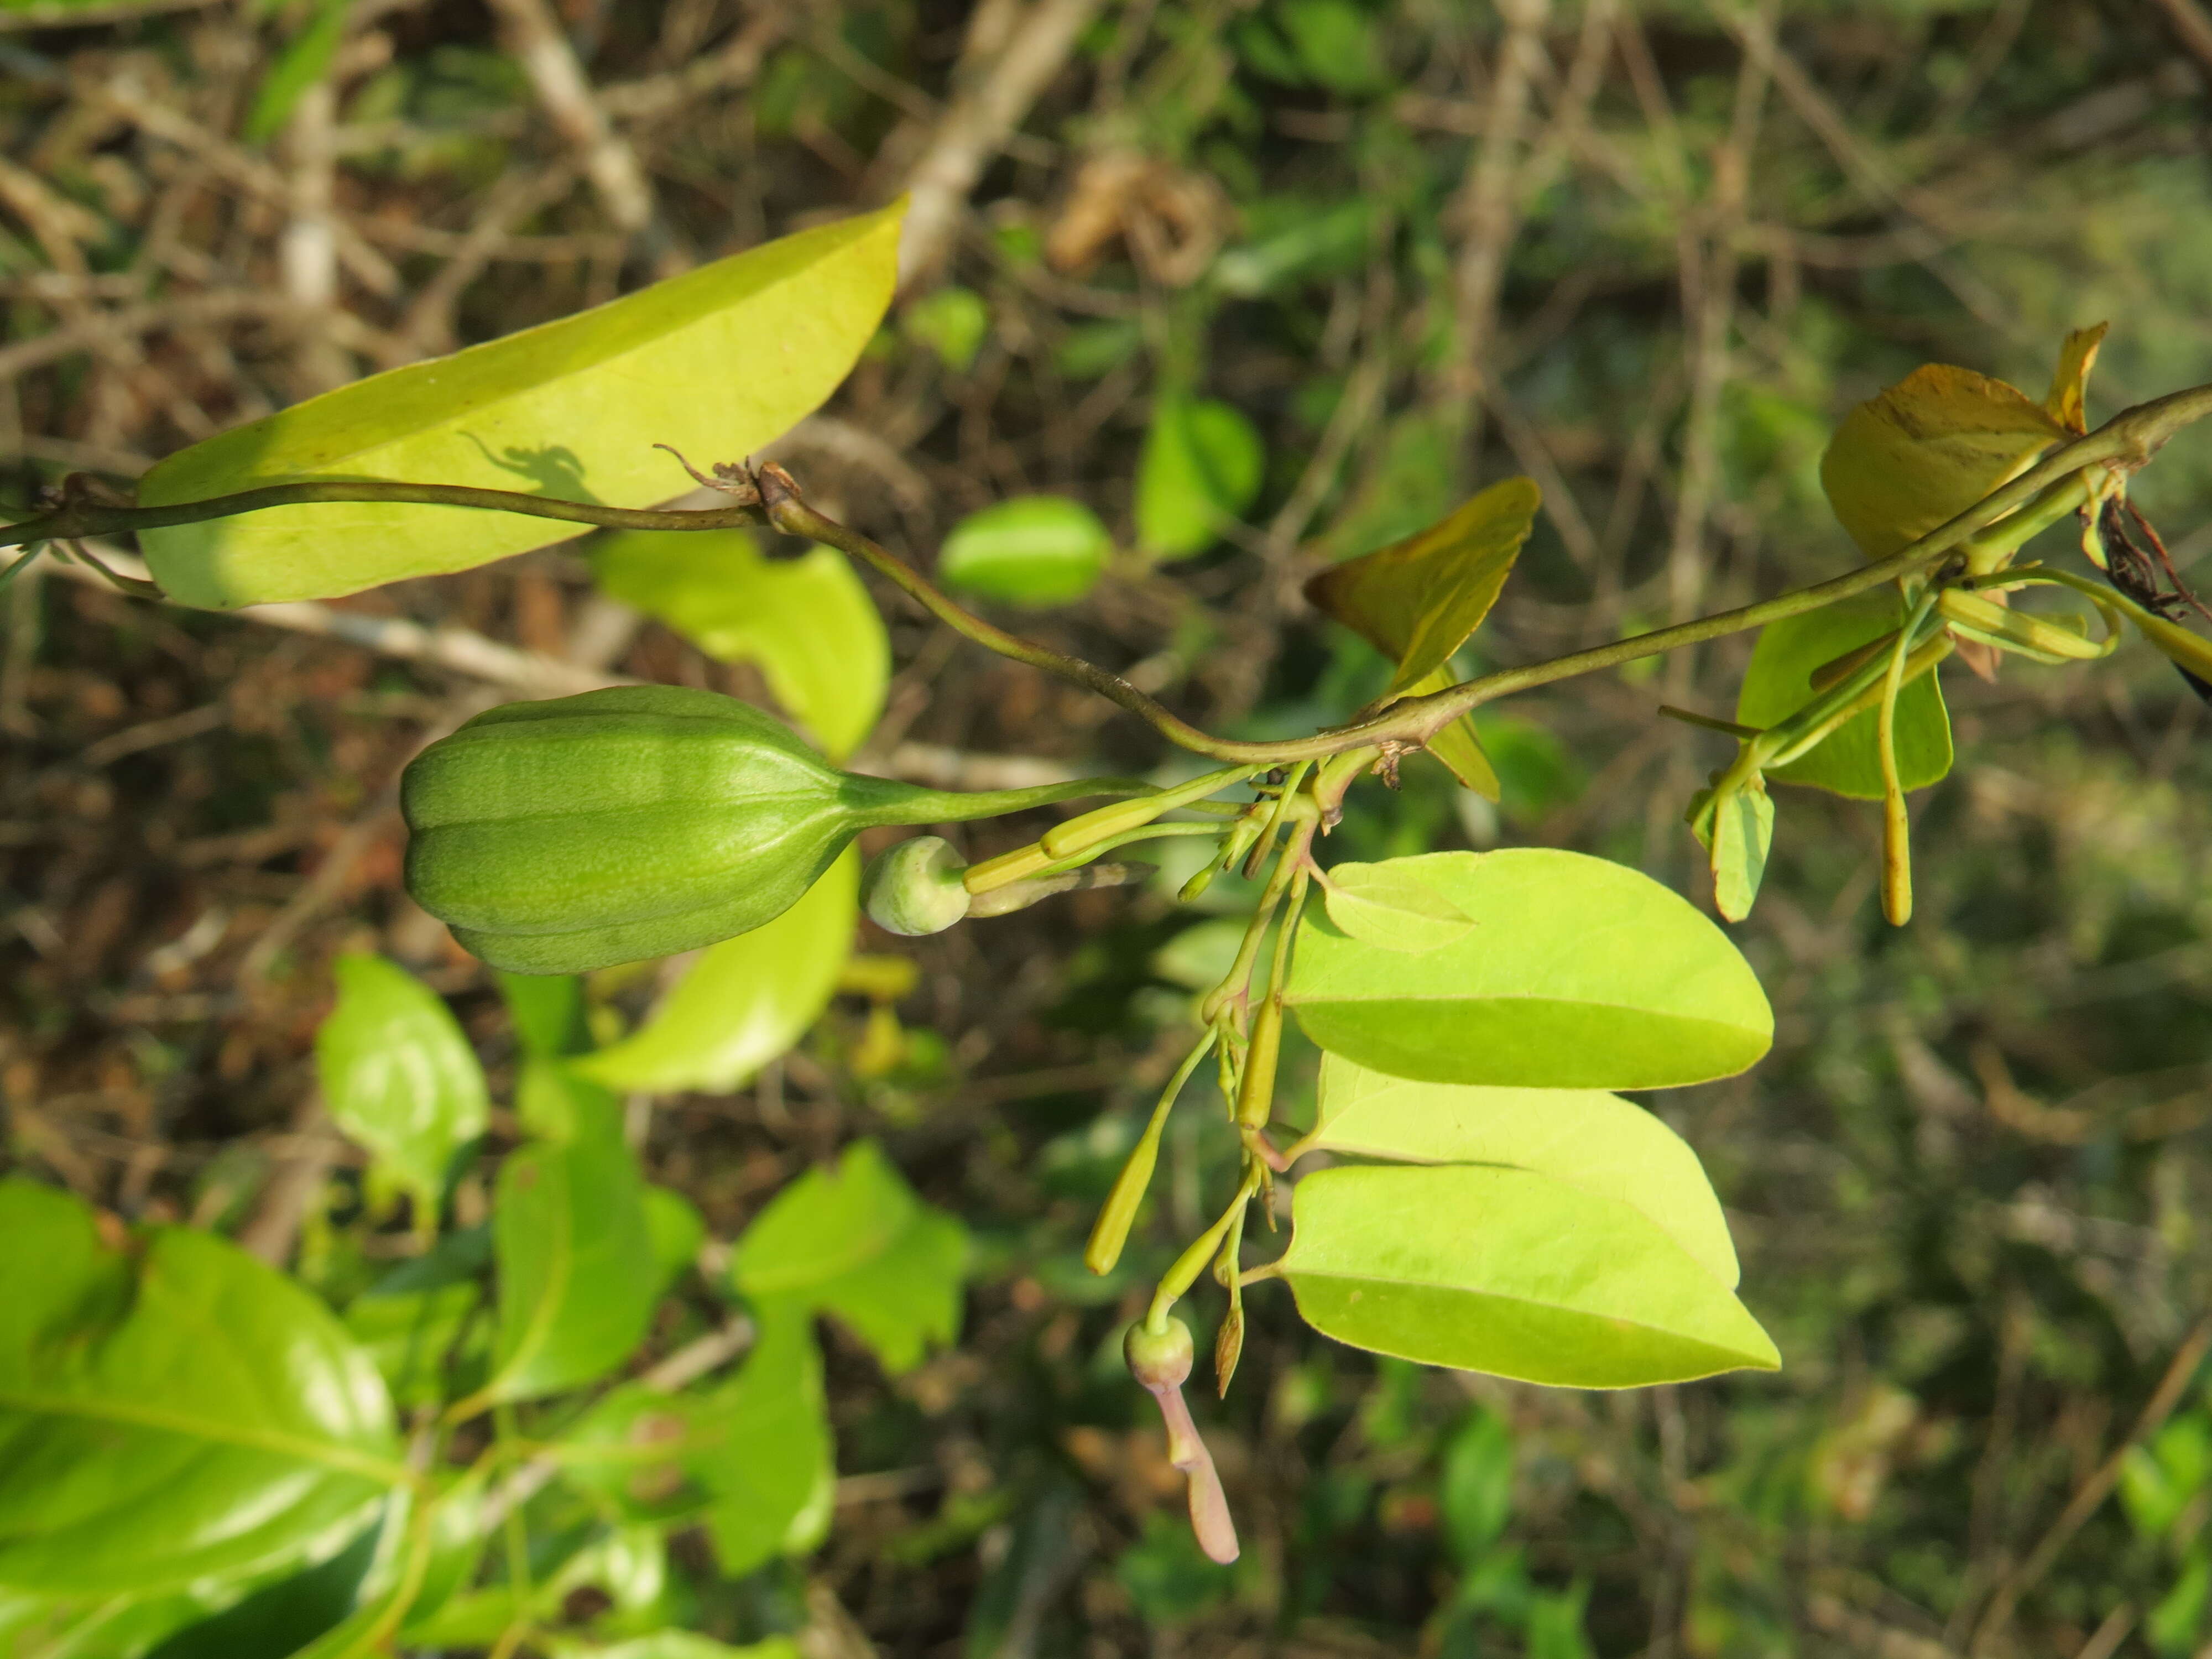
(537, 38)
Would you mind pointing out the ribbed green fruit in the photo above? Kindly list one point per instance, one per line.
(560, 836)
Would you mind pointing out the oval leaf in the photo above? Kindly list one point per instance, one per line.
(169, 1414)
(1927, 449)
(1031, 550)
(808, 622)
(1202, 466)
(715, 362)
(398, 1075)
(1579, 974)
(1584, 1137)
(745, 1000)
(1779, 682)
(577, 1274)
(1384, 905)
(1742, 836)
(1511, 1272)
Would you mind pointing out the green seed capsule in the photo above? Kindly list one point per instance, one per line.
(561, 836)
(915, 888)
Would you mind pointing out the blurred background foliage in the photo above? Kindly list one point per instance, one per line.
(1327, 265)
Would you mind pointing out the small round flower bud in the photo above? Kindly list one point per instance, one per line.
(1159, 1359)
(915, 888)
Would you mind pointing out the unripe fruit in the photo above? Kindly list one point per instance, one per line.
(560, 836)
(915, 888)
(1159, 1359)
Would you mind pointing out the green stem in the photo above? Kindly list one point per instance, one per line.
(885, 801)
(1200, 1251)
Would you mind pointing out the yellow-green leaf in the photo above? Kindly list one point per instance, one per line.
(1778, 683)
(745, 1000)
(2075, 359)
(715, 362)
(808, 622)
(1926, 450)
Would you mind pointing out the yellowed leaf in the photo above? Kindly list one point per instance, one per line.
(2075, 359)
(1926, 450)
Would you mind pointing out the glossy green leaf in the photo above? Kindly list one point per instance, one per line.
(172, 1414)
(1201, 467)
(808, 622)
(1578, 974)
(745, 1000)
(1031, 550)
(1511, 1272)
(1382, 904)
(1742, 833)
(1928, 449)
(1779, 682)
(397, 1074)
(715, 362)
(852, 1240)
(577, 1278)
(280, 1618)
(1583, 1136)
(774, 1459)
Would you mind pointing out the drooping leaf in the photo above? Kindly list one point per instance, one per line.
(577, 1278)
(1509, 1271)
(1032, 550)
(808, 622)
(1382, 905)
(1583, 1136)
(1742, 833)
(1779, 682)
(1202, 466)
(398, 1075)
(715, 362)
(175, 1413)
(745, 1000)
(852, 1240)
(1578, 974)
(1927, 449)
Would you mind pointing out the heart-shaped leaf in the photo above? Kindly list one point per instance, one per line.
(1779, 682)
(172, 1413)
(745, 1000)
(1927, 449)
(398, 1075)
(1511, 1272)
(1579, 974)
(808, 622)
(715, 362)
(1584, 1137)
(1385, 905)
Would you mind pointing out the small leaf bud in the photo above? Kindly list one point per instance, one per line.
(915, 888)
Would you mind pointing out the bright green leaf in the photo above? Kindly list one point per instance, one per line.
(1475, 1489)
(305, 60)
(409, 1321)
(1032, 550)
(853, 1240)
(1927, 449)
(1742, 834)
(1578, 974)
(1779, 682)
(953, 322)
(774, 1456)
(715, 362)
(548, 1011)
(1511, 1272)
(1202, 466)
(677, 1228)
(808, 622)
(577, 1280)
(172, 1414)
(745, 1000)
(397, 1074)
(1583, 1136)
(1384, 905)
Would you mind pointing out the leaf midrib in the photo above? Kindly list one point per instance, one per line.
(322, 1453)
